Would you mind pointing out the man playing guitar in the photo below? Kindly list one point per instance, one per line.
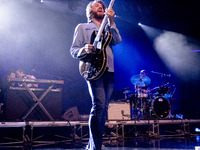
(100, 78)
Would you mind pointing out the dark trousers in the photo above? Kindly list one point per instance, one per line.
(100, 91)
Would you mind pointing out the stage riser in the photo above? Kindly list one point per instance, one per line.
(76, 130)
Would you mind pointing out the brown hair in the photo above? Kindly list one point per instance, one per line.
(89, 8)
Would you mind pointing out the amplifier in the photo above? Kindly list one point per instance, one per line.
(119, 111)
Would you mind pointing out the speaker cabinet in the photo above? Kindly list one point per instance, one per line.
(19, 102)
(119, 111)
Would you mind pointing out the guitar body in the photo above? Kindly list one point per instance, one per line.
(94, 64)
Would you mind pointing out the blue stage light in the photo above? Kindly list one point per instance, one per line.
(197, 129)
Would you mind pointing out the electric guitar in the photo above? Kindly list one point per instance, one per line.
(94, 64)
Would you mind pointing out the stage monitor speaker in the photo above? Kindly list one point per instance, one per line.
(19, 102)
(119, 111)
(71, 114)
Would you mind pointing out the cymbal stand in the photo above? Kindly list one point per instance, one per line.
(125, 94)
(142, 108)
(134, 106)
(139, 94)
(134, 110)
(171, 101)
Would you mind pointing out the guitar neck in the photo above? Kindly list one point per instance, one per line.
(104, 21)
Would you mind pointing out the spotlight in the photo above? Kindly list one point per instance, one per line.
(197, 129)
(197, 147)
(198, 139)
(139, 24)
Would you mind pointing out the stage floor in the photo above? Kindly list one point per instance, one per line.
(175, 143)
(118, 134)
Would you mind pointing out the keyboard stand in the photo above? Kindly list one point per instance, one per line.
(37, 101)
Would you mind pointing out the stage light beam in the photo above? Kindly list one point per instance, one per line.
(173, 49)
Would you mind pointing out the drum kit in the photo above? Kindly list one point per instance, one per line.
(146, 104)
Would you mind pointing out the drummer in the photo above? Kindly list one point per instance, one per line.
(140, 100)
(143, 84)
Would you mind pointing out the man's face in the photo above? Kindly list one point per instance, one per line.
(12, 75)
(97, 10)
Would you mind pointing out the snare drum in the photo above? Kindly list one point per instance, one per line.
(161, 107)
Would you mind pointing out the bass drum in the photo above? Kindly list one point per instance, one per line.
(161, 107)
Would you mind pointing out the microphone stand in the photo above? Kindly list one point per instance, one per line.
(162, 75)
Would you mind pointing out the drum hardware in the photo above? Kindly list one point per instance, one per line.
(148, 105)
(142, 93)
(161, 107)
(152, 106)
(161, 103)
(167, 96)
(141, 98)
(140, 107)
(174, 90)
(157, 87)
(127, 92)
(163, 89)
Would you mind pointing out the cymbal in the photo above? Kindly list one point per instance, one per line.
(127, 89)
(145, 80)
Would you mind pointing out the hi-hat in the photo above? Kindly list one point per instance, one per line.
(140, 80)
(127, 91)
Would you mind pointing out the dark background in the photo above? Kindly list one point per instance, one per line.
(37, 37)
